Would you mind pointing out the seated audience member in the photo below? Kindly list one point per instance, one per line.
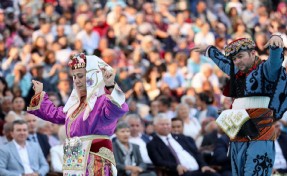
(11, 117)
(5, 106)
(210, 135)
(204, 106)
(175, 153)
(206, 75)
(153, 111)
(190, 101)
(21, 157)
(221, 156)
(57, 152)
(17, 112)
(46, 128)
(208, 125)
(7, 129)
(164, 106)
(191, 125)
(280, 163)
(127, 155)
(36, 137)
(137, 137)
(149, 129)
(176, 126)
(139, 94)
(174, 79)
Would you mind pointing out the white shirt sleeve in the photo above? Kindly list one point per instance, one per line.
(57, 158)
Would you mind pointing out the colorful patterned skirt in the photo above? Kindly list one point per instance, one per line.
(89, 156)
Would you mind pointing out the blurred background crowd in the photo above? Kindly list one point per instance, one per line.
(149, 44)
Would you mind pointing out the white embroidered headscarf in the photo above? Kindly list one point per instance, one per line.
(95, 87)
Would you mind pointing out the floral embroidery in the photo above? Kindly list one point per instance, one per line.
(92, 78)
(107, 154)
(90, 81)
(76, 152)
(36, 101)
(72, 146)
(262, 165)
(238, 45)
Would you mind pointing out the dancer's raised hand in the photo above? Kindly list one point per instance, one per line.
(37, 86)
(200, 48)
(276, 41)
(108, 76)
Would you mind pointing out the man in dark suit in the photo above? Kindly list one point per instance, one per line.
(209, 140)
(39, 138)
(175, 152)
(221, 157)
(280, 163)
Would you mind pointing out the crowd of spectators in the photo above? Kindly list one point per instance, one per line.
(149, 44)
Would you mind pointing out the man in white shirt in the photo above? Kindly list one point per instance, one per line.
(89, 38)
(176, 153)
(191, 125)
(20, 157)
(206, 74)
(137, 137)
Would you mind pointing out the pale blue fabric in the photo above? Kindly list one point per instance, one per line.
(252, 158)
(11, 164)
(269, 79)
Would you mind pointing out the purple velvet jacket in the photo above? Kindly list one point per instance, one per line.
(102, 119)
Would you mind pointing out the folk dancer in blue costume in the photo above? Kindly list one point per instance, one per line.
(260, 98)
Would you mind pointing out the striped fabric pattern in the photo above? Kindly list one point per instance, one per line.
(263, 119)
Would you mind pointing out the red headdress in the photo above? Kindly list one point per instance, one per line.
(77, 61)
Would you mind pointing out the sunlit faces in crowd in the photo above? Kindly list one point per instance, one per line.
(134, 122)
(20, 131)
(183, 111)
(123, 132)
(6, 104)
(176, 126)
(18, 104)
(31, 121)
(162, 125)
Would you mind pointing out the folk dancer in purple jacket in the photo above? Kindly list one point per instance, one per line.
(90, 116)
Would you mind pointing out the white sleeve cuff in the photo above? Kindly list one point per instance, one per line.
(117, 96)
